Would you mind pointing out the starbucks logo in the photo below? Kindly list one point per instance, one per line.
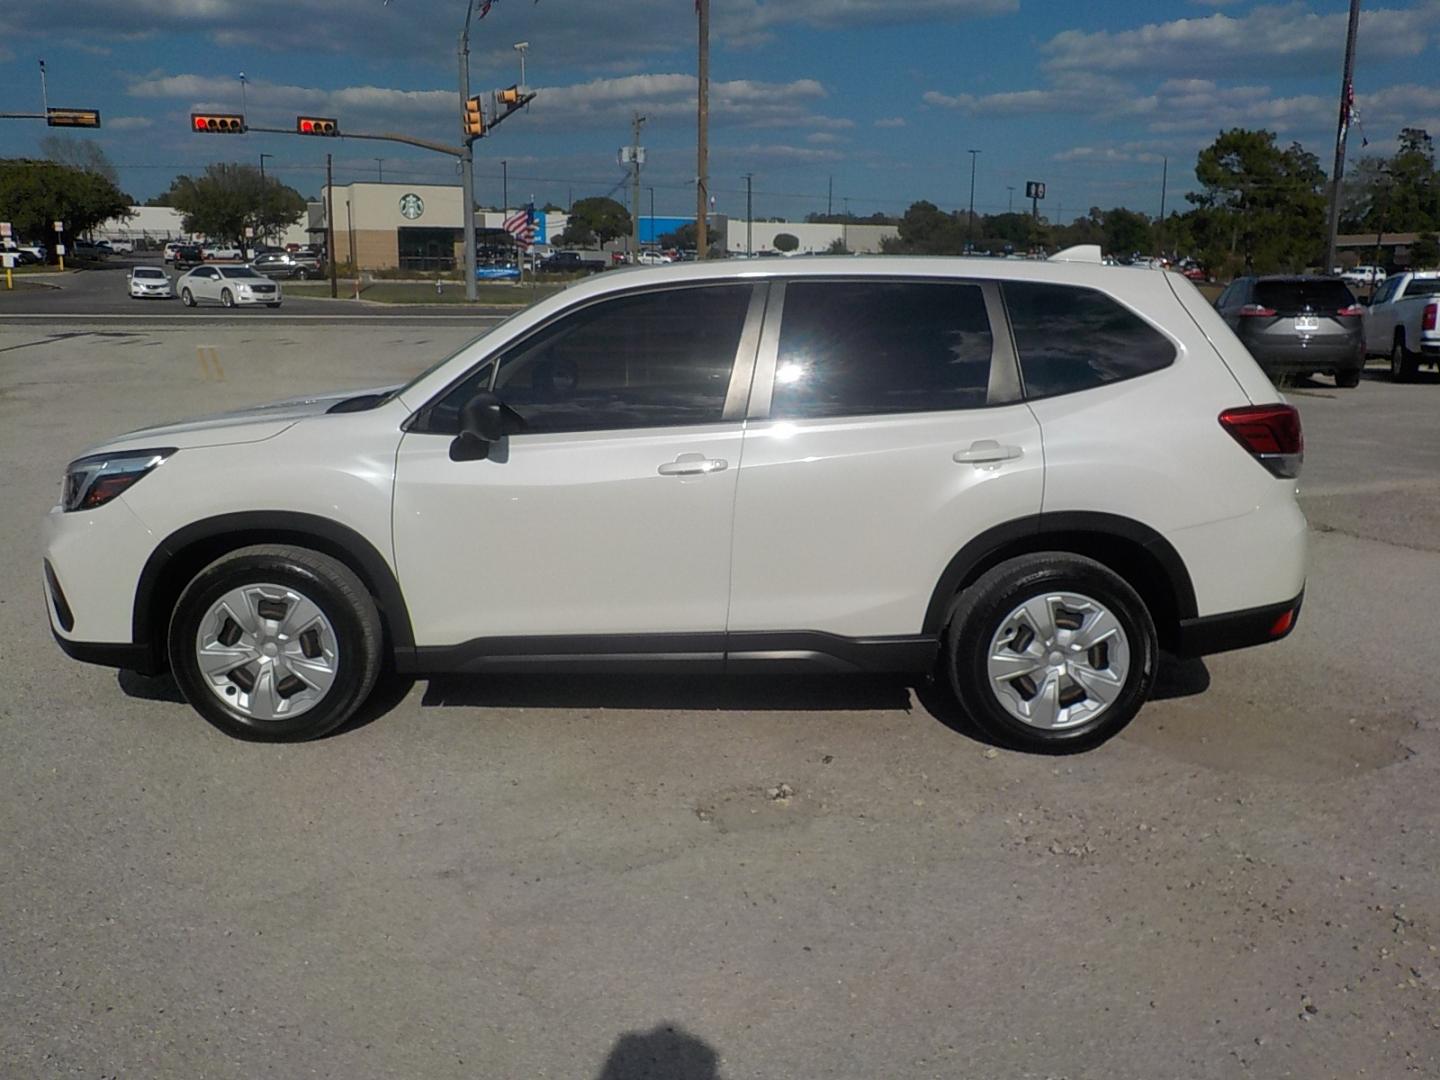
(411, 206)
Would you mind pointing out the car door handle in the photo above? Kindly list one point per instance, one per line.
(693, 465)
(986, 451)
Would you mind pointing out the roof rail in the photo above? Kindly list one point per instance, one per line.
(1087, 253)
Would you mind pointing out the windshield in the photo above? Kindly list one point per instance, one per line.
(149, 272)
(1303, 294)
(238, 271)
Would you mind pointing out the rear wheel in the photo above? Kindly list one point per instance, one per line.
(275, 643)
(1347, 380)
(1051, 652)
(1404, 365)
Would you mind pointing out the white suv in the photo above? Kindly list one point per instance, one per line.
(1029, 477)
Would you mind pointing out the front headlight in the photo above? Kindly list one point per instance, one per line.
(93, 481)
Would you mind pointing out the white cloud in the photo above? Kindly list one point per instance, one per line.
(128, 123)
(1072, 92)
(892, 122)
(1289, 37)
(751, 21)
(1126, 154)
(782, 152)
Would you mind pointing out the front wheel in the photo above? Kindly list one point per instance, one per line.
(275, 643)
(1051, 652)
(227, 298)
(186, 298)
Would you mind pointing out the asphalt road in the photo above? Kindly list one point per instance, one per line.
(587, 878)
(102, 291)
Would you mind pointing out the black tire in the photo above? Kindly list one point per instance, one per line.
(274, 305)
(979, 615)
(1404, 364)
(302, 275)
(187, 298)
(1347, 380)
(332, 587)
(227, 298)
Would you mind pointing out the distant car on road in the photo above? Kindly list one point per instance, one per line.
(149, 282)
(1401, 323)
(118, 247)
(1363, 275)
(171, 246)
(1297, 325)
(222, 253)
(187, 255)
(88, 249)
(231, 286)
(285, 264)
(567, 262)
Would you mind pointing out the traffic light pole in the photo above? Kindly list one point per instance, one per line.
(467, 164)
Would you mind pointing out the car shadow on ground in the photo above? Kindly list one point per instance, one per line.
(666, 1052)
(673, 693)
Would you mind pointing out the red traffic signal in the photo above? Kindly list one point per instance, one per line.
(89, 118)
(218, 123)
(317, 125)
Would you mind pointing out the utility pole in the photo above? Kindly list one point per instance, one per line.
(505, 187)
(653, 237)
(262, 164)
(1342, 131)
(748, 215)
(379, 170)
(830, 198)
(1160, 225)
(970, 229)
(635, 151)
(1010, 203)
(467, 161)
(702, 134)
(330, 227)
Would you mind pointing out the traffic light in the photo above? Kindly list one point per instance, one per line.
(218, 123)
(89, 118)
(474, 118)
(317, 125)
(510, 96)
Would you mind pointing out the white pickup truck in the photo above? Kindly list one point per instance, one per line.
(1401, 322)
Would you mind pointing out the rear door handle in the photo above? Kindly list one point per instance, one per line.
(986, 451)
(693, 465)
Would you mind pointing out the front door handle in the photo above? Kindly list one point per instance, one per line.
(693, 465)
(987, 451)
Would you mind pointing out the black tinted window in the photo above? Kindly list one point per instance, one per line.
(653, 360)
(858, 348)
(1071, 339)
(1420, 287)
(1300, 295)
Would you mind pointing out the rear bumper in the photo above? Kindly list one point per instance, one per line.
(1237, 629)
(1344, 355)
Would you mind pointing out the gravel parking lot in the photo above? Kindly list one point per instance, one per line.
(689, 879)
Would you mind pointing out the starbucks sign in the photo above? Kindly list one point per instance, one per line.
(411, 206)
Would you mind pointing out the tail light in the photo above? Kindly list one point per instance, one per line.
(1271, 433)
(1257, 309)
(1427, 320)
(1353, 309)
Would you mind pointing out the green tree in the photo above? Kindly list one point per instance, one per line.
(36, 193)
(837, 246)
(227, 198)
(82, 154)
(1400, 193)
(685, 237)
(1269, 200)
(786, 241)
(1425, 252)
(595, 220)
(927, 230)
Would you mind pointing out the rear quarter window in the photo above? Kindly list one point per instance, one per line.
(1071, 338)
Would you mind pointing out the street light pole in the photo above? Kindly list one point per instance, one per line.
(702, 133)
(379, 170)
(748, 214)
(262, 164)
(1347, 101)
(1010, 205)
(970, 223)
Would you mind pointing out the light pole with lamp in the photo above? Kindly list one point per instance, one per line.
(970, 223)
(522, 47)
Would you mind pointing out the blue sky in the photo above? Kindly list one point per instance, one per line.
(882, 98)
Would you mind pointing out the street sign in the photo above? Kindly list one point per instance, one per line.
(59, 226)
(1034, 189)
(59, 249)
(88, 118)
(5, 230)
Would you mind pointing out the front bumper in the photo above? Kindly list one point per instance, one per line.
(257, 298)
(1237, 629)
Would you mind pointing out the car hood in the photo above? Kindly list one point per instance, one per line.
(254, 424)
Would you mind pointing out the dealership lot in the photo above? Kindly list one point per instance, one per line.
(500, 877)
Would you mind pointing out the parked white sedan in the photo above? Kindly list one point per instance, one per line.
(150, 282)
(229, 285)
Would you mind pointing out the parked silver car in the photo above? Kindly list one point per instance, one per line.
(149, 282)
(286, 264)
(232, 286)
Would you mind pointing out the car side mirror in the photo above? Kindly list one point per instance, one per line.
(484, 420)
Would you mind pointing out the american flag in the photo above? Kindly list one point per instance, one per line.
(521, 225)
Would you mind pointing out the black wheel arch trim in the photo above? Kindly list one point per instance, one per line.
(272, 526)
(993, 544)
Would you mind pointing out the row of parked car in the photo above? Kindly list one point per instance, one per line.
(230, 285)
(1297, 326)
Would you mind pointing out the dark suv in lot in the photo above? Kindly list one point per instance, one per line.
(1298, 325)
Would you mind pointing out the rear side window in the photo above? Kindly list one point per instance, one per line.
(875, 347)
(1288, 297)
(1070, 339)
(1421, 287)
